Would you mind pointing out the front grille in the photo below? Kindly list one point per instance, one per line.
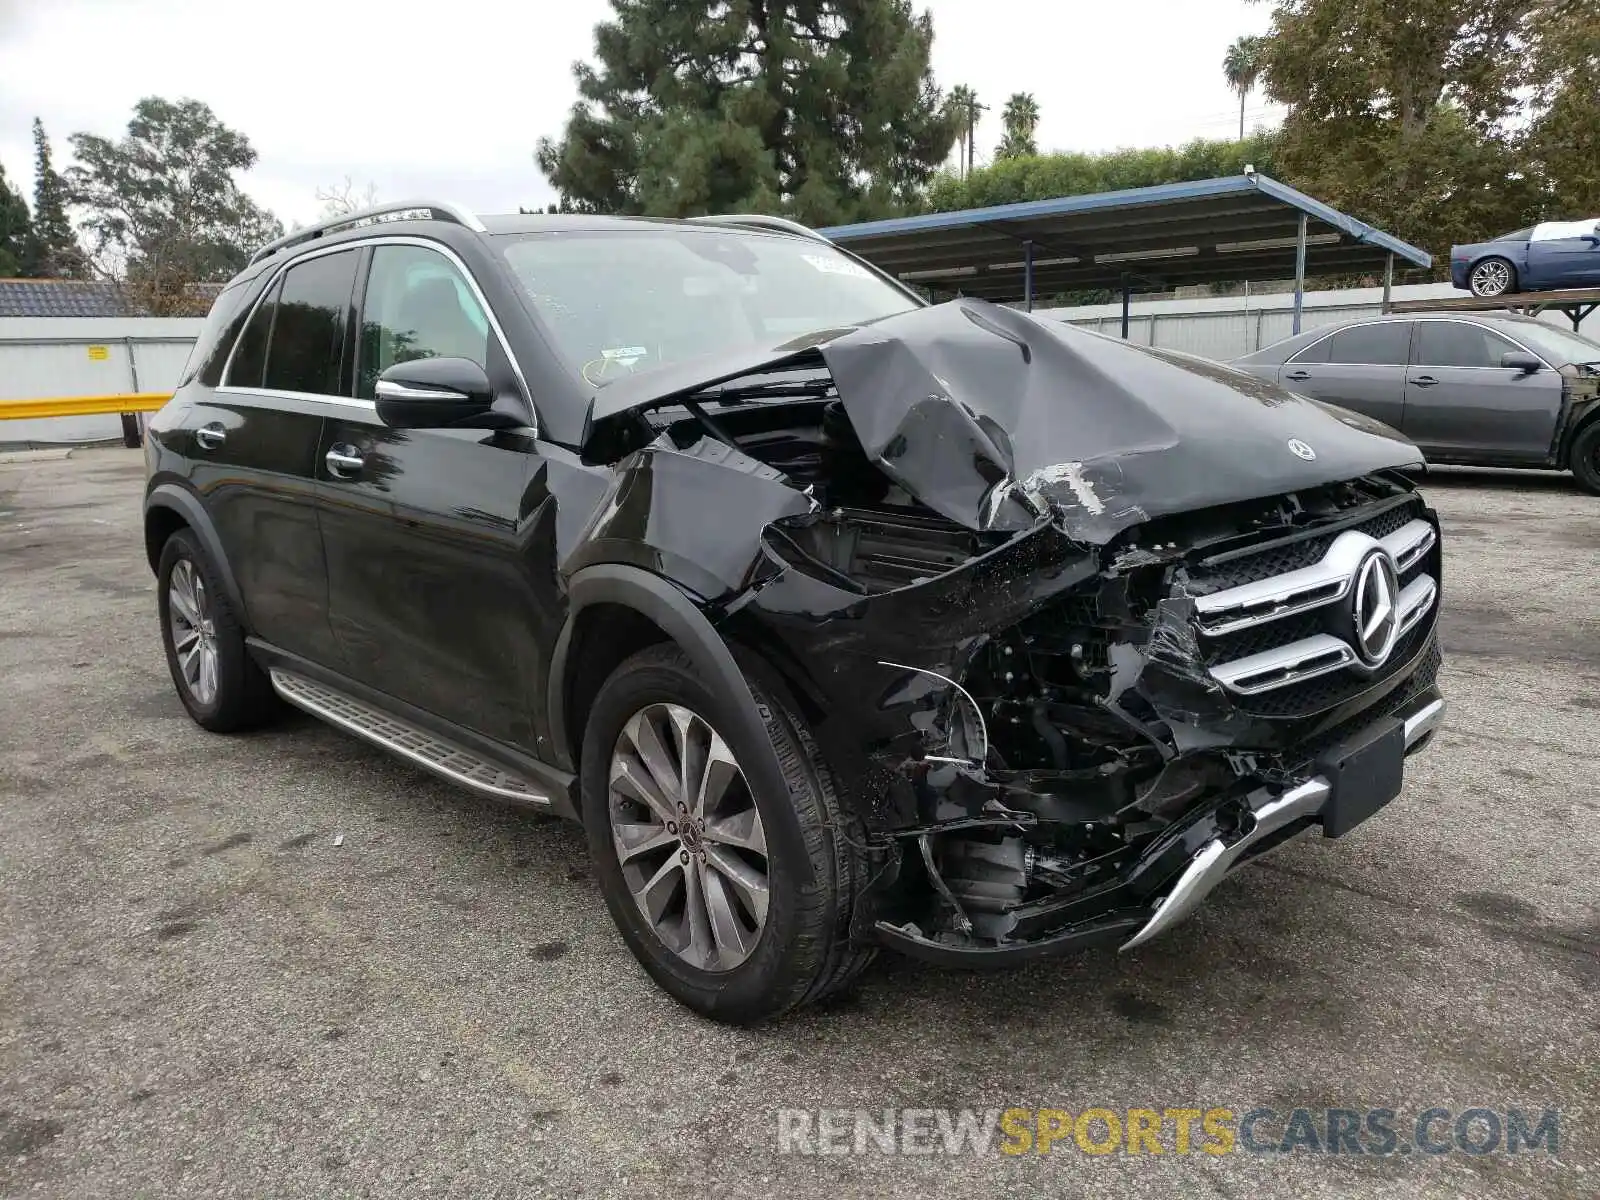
(1424, 677)
(1281, 557)
(1277, 626)
(1324, 691)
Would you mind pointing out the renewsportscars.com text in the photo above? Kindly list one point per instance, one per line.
(1167, 1130)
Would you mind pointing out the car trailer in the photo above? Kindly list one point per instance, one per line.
(1574, 303)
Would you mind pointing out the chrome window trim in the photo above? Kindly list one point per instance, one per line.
(285, 394)
(356, 244)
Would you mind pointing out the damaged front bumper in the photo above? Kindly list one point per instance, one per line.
(1174, 874)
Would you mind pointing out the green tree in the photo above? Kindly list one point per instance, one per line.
(1019, 118)
(962, 111)
(56, 253)
(822, 109)
(1562, 143)
(162, 207)
(1241, 66)
(1047, 176)
(16, 232)
(1404, 112)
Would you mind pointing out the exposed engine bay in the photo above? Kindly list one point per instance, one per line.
(1057, 645)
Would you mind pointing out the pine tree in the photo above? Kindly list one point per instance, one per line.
(822, 109)
(55, 249)
(16, 232)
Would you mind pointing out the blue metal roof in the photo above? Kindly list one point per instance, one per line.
(1236, 228)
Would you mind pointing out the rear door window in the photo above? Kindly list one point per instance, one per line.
(306, 350)
(1384, 343)
(1457, 344)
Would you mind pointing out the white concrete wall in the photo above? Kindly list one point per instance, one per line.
(50, 357)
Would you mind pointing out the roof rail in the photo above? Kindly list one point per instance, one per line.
(762, 221)
(400, 210)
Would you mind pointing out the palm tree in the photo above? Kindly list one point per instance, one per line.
(964, 108)
(1020, 118)
(1241, 66)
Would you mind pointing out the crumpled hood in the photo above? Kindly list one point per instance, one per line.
(996, 420)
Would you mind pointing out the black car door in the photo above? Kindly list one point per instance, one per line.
(255, 445)
(440, 544)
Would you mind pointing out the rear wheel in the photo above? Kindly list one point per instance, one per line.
(1584, 458)
(1493, 277)
(217, 680)
(736, 902)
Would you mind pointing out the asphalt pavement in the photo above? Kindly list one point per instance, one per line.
(286, 964)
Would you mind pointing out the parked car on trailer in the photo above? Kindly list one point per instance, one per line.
(1483, 389)
(1541, 258)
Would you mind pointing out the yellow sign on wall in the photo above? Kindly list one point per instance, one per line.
(99, 353)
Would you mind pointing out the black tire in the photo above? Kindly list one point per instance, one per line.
(804, 951)
(1488, 293)
(1584, 458)
(243, 696)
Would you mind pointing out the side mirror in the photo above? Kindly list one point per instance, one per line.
(1517, 360)
(433, 393)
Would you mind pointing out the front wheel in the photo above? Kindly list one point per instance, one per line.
(1493, 277)
(217, 680)
(736, 902)
(1585, 457)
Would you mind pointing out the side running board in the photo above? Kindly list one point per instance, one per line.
(426, 749)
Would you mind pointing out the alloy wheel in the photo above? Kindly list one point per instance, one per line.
(194, 633)
(688, 837)
(1491, 278)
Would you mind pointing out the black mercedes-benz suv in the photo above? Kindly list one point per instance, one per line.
(840, 620)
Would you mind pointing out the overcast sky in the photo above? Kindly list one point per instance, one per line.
(450, 102)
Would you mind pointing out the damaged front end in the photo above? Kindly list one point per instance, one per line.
(1077, 630)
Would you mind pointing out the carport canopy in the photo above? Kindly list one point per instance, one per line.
(1240, 228)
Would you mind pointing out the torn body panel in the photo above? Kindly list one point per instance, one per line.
(975, 547)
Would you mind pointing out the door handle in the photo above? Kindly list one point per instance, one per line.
(211, 436)
(343, 461)
(1297, 376)
(1424, 380)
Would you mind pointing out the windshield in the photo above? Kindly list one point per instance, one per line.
(1556, 345)
(623, 301)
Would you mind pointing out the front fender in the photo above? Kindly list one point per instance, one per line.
(672, 610)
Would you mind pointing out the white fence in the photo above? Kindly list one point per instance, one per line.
(48, 357)
(1226, 327)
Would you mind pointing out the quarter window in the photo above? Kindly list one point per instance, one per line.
(1458, 344)
(306, 349)
(1317, 352)
(417, 306)
(250, 355)
(1382, 343)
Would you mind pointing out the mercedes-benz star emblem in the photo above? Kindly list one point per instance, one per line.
(1300, 450)
(1375, 608)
